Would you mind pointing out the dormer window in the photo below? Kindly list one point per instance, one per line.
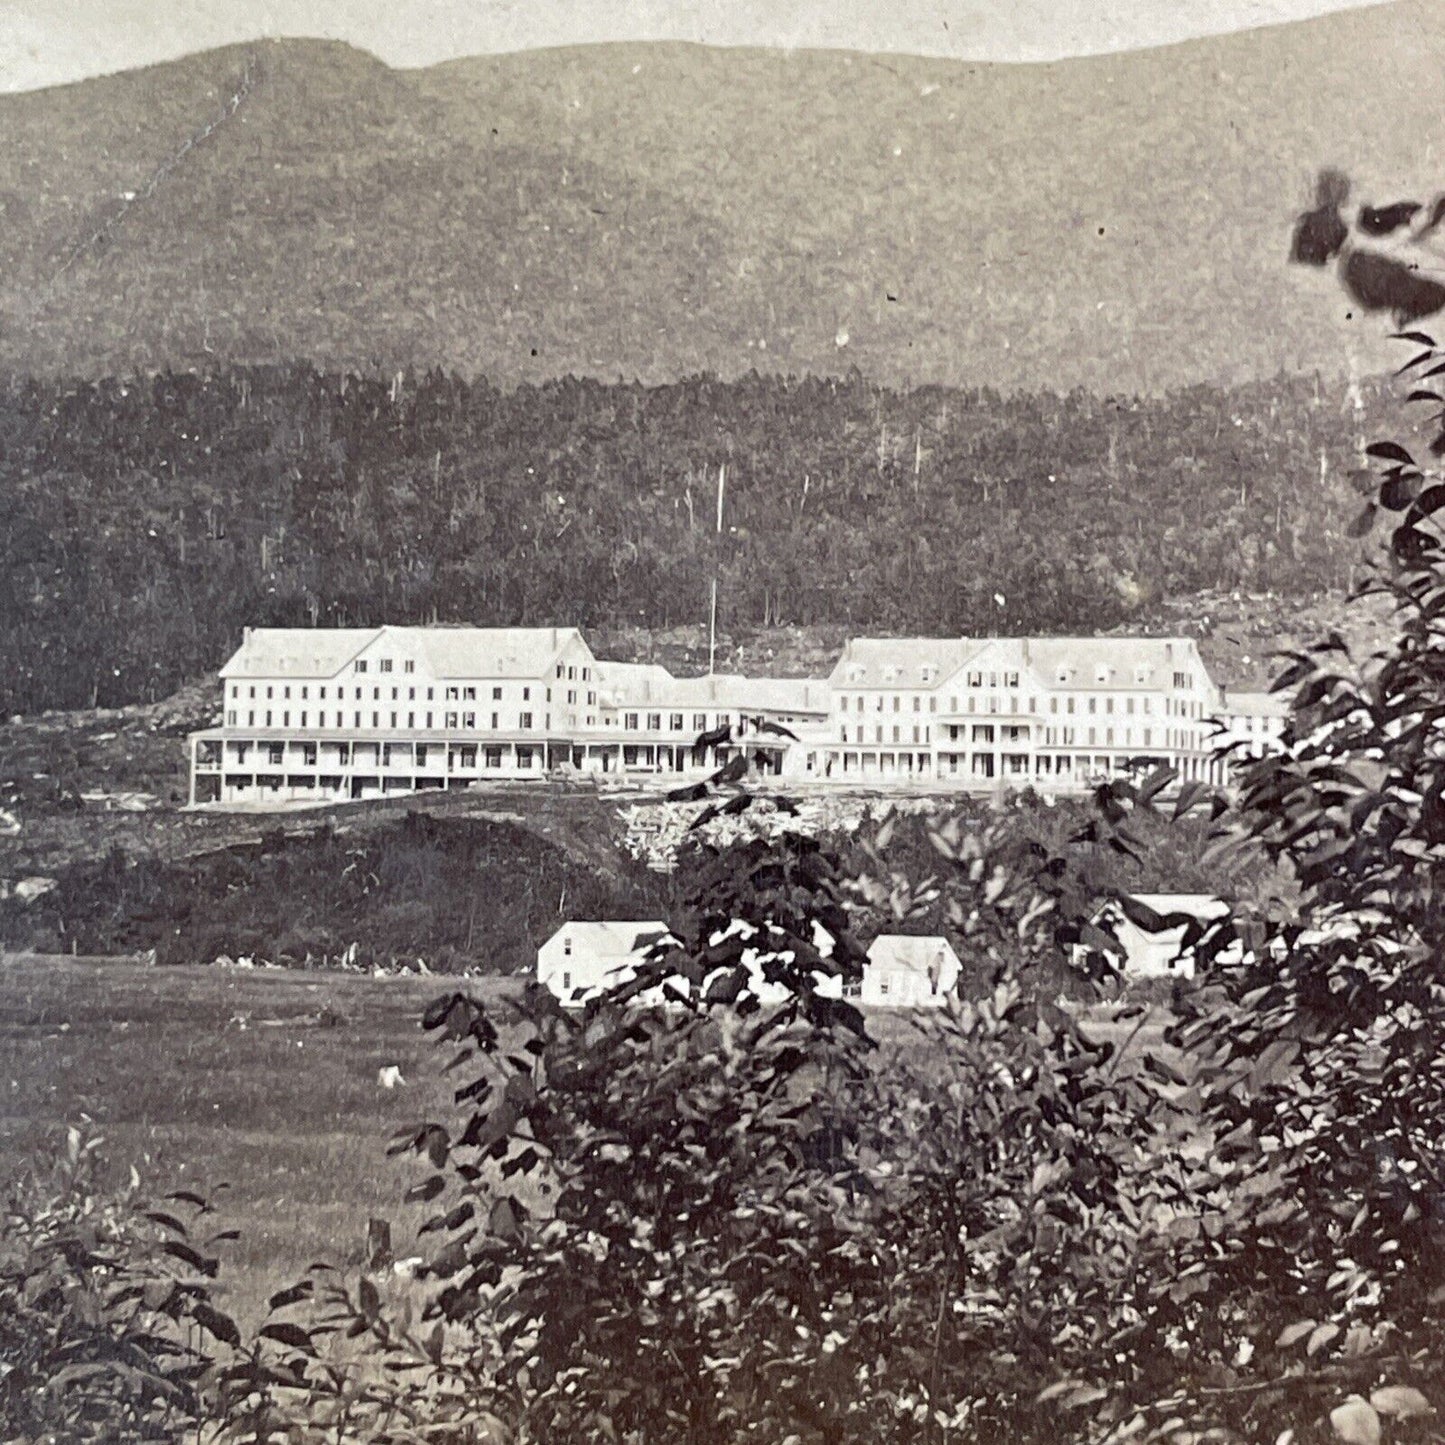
(927, 672)
(567, 946)
(1063, 674)
(1101, 673)
(1141, 673)
(890, 674)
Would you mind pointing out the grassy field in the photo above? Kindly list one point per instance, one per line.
(265, 1081)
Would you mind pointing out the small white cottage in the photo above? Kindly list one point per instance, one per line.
(1157, 955)
(904, 971)
(581, 959)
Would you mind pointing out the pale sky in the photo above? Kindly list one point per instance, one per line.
(47, 42)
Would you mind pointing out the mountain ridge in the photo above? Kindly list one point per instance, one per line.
(656, 210)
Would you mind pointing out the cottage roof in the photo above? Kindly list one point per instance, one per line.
(915, 952)
(1203, 906)
(609, 937)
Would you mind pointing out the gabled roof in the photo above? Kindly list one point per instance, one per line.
(1120, 659)
(622, 684)
(297, 651)
(755, 694)
(645, 684)
(1254, 704)
(490, 651)
(900, 661)
(609, 937)
(1203, 906)
(915, 952)
(448, 652)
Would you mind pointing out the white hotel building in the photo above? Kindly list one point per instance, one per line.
(312, 714)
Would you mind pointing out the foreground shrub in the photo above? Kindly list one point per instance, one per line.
(103, 1306)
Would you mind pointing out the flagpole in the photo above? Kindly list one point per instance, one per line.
(712, 617)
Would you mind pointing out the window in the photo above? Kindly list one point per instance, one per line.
(494, 720)
(421, 755)
(357, 716)
(376, 694)
(454, 694)
(241, 750)
(343, 753)
(286, 718)
(699, 721)
(567, 948)
(897, 702)
(451, 719)
(675, 722)
(408, 666)
(286, 693)
(270, 692)
(917, 703)
(277, 753)
(360, 665)
(525, 720)
(308, 755)
(572, 695)
(321, 693)
(571, 674)
(468, 756)
(268, 717)
(376, 719)
(469, 720)
(395, 693)
(629, 721)
(231, 718)
(567, 973)
(494, 757)
(384, 665)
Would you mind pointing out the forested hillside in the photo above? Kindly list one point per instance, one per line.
(144, 522)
